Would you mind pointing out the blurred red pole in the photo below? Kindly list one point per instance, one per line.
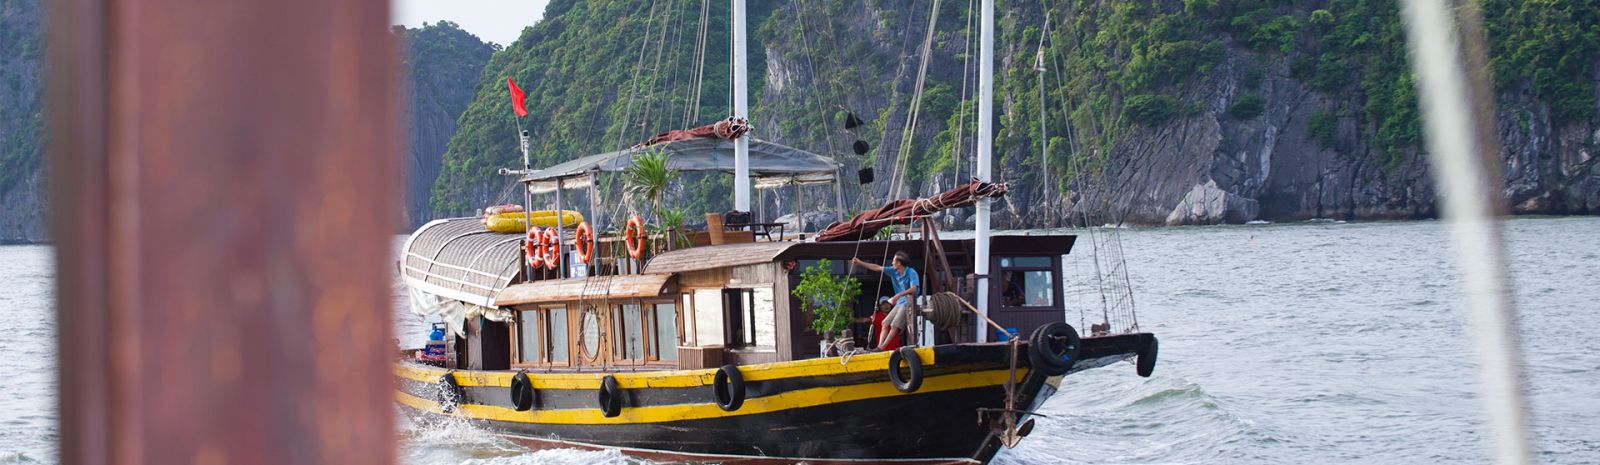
(224, 182)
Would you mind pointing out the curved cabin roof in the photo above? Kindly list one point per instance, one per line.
(459, 259)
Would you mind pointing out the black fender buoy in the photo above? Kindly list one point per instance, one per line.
(913, 381)
(610, 397)
(522, 393)
(728, 388)
(1147, 357)
(1053, 348)
(449, 393)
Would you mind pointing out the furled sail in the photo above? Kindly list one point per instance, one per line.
(903, 211)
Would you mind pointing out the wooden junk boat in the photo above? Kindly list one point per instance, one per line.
(702, 354)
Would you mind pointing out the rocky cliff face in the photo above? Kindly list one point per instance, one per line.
(21, 122)
(1278, 113)
(441, 59)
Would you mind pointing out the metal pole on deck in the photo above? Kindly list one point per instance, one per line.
(527, 195)
(561, 248)
(225, 263)
(985, 145)
(594, 225)
(741, 146)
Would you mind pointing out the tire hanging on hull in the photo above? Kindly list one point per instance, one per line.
(1053, 348)
(728, 388)
(523, 396)
(610, 397)
(911, 382)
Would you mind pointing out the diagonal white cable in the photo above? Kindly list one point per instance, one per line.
(1471, 204)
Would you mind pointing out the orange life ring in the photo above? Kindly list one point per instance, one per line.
(583, 241)
(533, 248)
(552, 248)
(633, 234)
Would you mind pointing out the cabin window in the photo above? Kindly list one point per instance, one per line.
(708, 317)
(542, 336)
(764, 314)
(749, 317)
(1027, 282)
(529, 335)
(589, 332)
(667, 332)
(556, 318)
(686, 328)
(628, 329)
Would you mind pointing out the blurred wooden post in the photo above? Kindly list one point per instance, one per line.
(225, 189)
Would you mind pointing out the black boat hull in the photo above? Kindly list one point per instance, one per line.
(816, 411)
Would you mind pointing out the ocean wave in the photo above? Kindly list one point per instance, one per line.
(561, 457)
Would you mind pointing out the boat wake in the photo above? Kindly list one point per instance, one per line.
(1105, 416)
(8, 458)
(436, 440)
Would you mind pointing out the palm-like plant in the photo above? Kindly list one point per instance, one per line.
(648, 176)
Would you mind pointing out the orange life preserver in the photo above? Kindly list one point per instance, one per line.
(533, 248)
(633, 234)
(583, 241)
(552, 248)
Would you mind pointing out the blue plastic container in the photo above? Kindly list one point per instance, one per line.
(435, 347)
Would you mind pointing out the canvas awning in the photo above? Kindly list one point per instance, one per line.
(771, 164)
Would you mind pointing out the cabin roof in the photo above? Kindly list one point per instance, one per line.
(717, 256)
(558, 290)
(460, 259)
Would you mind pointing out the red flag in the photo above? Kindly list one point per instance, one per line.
(517, 98)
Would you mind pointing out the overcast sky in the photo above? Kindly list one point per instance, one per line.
(498, 21)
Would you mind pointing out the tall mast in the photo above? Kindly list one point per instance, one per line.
(985, 145)
(741, 109)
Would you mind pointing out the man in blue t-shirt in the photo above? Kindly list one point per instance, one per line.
(904, 279)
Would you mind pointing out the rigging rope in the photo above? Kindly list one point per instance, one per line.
(897, 180)
(655, 69)
(692, 113)
(961, 108)
(627, 111)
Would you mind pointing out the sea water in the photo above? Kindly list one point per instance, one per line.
(1285, 343)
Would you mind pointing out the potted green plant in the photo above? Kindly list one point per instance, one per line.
(828, 299)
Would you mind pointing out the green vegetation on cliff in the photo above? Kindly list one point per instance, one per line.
(605, 75)
(599, 76)
(439, 58)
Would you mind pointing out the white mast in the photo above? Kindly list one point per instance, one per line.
(741, 109)
(985, 145)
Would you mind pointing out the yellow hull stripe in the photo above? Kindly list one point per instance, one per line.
(664, 413)
(663, 378)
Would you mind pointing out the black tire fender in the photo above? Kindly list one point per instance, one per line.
(449, 393)
(913, 381)
(1053, 348)
(610, 397)
(728, 388)
(1147, 357)
(523, 396)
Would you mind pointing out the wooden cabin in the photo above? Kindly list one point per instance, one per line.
(699, 307)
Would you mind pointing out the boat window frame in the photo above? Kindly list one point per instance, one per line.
(1056, 279)
(652, 348)
(735, 338)
(543, 323)
(615, 318)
